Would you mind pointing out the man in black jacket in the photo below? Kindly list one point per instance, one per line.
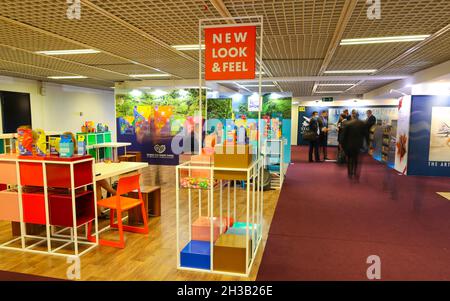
(352, 141)
(314, 142)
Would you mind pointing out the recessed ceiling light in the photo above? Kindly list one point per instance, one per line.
(188, 47)
(335, 85)
(253, 86)
(329, 92)
(67, 77)
(150, 75)
(67, 52)
(350, 71)
(397, 39)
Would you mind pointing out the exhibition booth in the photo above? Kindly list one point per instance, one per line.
(225, 147)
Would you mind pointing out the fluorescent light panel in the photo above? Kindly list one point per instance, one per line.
(149, 75)
(329, 92)
(68, 77)
(253, 86)
(188, 47)
(350, 71)
(396, 39)
(335, 85)
(67, 52)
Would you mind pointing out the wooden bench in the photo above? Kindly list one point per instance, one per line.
(152, 201)
(127, 158)
(137, 154)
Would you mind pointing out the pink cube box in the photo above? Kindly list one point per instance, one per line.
(9, 206)
(8, 174)
(201, 228)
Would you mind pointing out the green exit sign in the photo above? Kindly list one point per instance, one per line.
(327, 99)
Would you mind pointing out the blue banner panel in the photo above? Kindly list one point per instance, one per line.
(429, 137)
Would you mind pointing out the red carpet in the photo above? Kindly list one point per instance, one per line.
(325, 225)
(12, 276)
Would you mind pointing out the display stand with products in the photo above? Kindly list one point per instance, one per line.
(97, 145)
(49, 191)
(227, 238)
(273, 153)
(6, 143)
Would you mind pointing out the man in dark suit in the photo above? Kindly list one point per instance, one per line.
(323, 138)
(352, 141)
(314, 142)
(370, 122)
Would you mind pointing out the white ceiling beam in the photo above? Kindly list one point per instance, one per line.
(321, 78)
(347, 11)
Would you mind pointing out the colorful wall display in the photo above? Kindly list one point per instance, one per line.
(149, 120)
(429, 136)
(231, 112)
(401, 150)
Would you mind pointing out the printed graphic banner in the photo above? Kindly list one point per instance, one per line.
(401, 150)
(230, 53)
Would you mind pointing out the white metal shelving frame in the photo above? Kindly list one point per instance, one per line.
(254, 209)
(51, 235)
(269, 151)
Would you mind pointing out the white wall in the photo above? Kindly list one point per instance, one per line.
(59, 109)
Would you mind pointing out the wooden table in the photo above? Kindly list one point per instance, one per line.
(113, 145)
(108, 170)
(444, 194)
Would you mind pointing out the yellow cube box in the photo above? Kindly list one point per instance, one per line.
(230, 253)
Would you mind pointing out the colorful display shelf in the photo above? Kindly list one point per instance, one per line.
(50, 191)
(214, 243)
(92, 139)
(273, 152)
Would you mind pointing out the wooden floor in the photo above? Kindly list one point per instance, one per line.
(145, 257)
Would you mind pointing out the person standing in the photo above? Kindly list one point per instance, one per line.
(370, 122)
(352, 141)
(323, 138)
(314, 128)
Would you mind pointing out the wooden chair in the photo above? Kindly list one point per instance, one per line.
(120, 203)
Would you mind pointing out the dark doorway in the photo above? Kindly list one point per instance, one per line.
(16, 110)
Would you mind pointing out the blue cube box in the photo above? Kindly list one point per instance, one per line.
(196, 254)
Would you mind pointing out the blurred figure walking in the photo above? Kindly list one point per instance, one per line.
(353, 136)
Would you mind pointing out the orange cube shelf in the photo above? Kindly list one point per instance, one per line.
(8, 174)
(201, 229)
(33, 208)
(31, 174)
(9, 206)
(58, 175)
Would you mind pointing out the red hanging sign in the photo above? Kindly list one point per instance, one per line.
(230, 53)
